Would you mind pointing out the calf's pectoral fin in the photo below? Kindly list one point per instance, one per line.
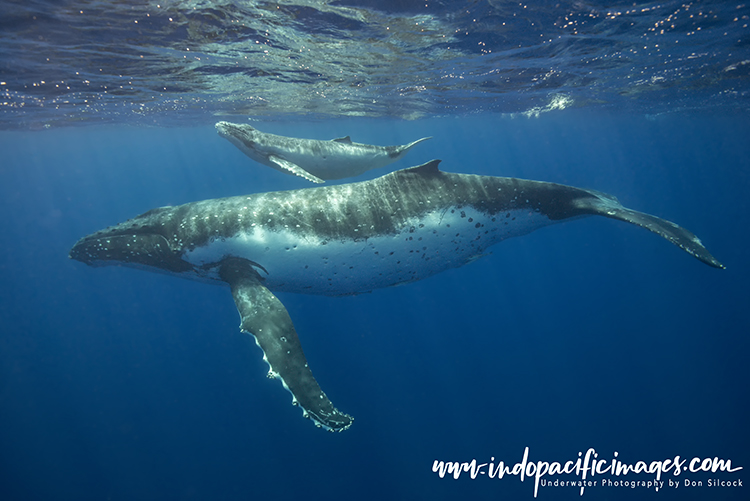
(608, 206)
(292, 168)
(264, 317)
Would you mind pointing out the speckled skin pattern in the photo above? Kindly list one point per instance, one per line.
(315, 160)
(346, 239)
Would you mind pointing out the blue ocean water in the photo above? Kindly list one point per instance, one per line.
(122, 384)
(591, 336)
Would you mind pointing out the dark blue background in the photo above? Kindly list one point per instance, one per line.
(119, 384)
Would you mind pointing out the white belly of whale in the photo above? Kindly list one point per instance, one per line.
(329, 159)
(303, 262)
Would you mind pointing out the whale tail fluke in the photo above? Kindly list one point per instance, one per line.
(402, 150)
(606, 205)
(414, 143)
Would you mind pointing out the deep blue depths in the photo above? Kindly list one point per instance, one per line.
(120, 384)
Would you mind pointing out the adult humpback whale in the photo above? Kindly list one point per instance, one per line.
(314, 160)
(346, 239)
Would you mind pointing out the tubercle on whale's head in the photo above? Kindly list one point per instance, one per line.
(242, 136)
(239, 131)
(113, 246)
(224, 128)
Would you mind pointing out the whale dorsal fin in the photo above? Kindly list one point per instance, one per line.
(428, 168)
(345, 139)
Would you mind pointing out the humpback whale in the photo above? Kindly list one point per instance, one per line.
(314, 160)
(346, 239)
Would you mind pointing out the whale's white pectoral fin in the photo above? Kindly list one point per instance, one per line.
(293, 168)
(267, 320)
(345, 139)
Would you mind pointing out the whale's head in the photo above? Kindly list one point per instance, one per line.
(242, 136)
(137, 242)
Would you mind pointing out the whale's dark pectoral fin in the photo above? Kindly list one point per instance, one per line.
(267, 320)
(608, 206)
(292, 168)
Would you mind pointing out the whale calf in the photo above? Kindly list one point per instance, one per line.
(346, 239)
(314, 160)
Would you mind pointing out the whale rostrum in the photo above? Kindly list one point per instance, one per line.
(312, 159)
(346, 239)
